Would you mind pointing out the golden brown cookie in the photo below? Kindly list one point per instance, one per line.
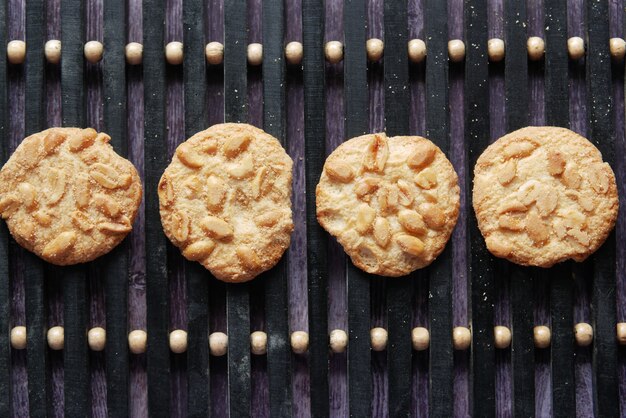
(225, 200)
(67, 196)
(542, 195)
(392, 203)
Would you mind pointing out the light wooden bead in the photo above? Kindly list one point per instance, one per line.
(255, 54)
(137, 341)
(375, 48)
(56, 338)
(617, 47)
(93, 51)
(417, 50)
(583, 332)
(52, 51)
(456, 50)
(258, 343)
(461, 338)
(536, 48)
(299, 342)
(576, 47)
(379, 337)
(501, 337)
(18, 337)
(218, 344)
(420, 337)
(334, 51)
(174, 53)
(214, 53)
(16, 51)
(134, 53)
(495, 49)
(97, 338)
(621, 333)
(542, 336)
(294, 52)
(178, 341)
(338, 341)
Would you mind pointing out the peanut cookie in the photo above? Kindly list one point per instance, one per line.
(390, 202)
(67, 196)
(225, 200)
(542, 195)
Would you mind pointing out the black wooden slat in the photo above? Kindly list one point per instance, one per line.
(157, 293)
(357, 107)
(601, 134)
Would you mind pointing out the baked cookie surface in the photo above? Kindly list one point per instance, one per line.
(225, 200)
(67, 196)
(392, 203)
(543, 195)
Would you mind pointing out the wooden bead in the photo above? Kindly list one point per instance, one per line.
(501, 337)
(134, 53)
(334, 52)
(174, 53)
(137, 341)
(218, 344)
(495, 49)
(56, 338)
(461, 338)
(379, 338)
(16, 51)
(375, 48)
(583, 332)
(456, 50)
(294, 53)
(18, 337)
(97, 338)
(338, 340)
(420, 337)
(299, 342)
(417, 50)
(621, 333)
(617, 47)
(214, 53)
(255, 54)
(258, 343)
(52, 51)
(576, 47)
(542, 336)
(536, 48)
(93, 51)
(178, 341)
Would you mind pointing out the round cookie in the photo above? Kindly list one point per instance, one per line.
(542, 195)
(225, 200)
(67, 196)
(392, 203)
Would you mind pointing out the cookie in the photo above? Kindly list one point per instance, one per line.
(225, 200)
(392, 203)
(67, 196)
(542, 195)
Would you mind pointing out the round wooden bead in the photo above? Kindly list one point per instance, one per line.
(258, 343)
(542, 336)
(56, 338)
(255, 54)
(456, 50)
(299, 342)
(501, 336)
(536, 48)
(617, 47)
(214, 53)
(18, 337)
(97, 338)
(583, 332)
(420, 337)
(379, 338)
(495, 49)
(576, 47)
(218, 344)
(621, 333)
(417, 50)
(174, 53)
(294, 52)
(334, 51)
(461, 338)
(134, 53)
(93, 51)
(338, 340)
(52, 51)
(137, 341)
(375, 48)
(16, 51)
(178, 341)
